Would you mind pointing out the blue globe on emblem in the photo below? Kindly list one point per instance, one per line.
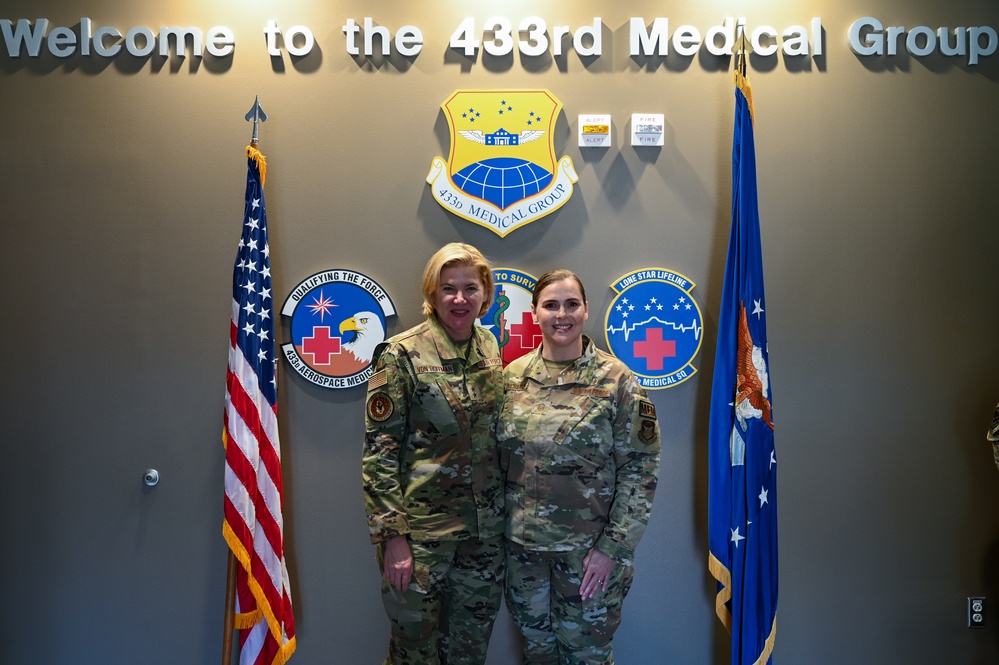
(503, 181)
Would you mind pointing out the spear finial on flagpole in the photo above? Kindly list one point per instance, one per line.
(257, 115)
(742, 50)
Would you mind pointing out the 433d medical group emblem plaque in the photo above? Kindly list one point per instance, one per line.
(502, 172)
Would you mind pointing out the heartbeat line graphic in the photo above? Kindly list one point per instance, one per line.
(627, 330)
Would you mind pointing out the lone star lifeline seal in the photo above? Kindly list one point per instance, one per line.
(337, 320)
(510, 319)
(653, 325)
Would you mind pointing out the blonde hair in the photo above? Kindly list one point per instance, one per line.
(450, 255)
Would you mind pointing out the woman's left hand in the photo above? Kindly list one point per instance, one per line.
(597, 568)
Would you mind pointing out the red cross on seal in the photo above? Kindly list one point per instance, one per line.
(654, 348)
(321, 346)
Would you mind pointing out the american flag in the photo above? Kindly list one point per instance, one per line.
(254, 500)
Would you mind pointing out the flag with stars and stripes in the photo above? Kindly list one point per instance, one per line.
(254, 497)
(742, 462)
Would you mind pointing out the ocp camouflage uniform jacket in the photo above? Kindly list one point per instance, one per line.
(430, 463)
(581, 455)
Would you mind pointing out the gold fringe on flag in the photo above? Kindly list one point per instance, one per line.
(740, 81)
(724, 577)
(261, 161)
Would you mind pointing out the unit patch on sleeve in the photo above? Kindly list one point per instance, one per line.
(648, 431)
(380, 407)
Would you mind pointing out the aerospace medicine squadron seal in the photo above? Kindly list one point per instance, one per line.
(653, 325)
(337, 320)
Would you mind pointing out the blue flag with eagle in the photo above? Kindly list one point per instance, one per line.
(742, 462)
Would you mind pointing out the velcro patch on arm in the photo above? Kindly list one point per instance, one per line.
(380, 407)
(647, 409)
(377, 380)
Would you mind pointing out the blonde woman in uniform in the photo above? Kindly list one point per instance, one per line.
(432, 485)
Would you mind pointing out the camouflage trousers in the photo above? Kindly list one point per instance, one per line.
(559, 628)
(446, 615)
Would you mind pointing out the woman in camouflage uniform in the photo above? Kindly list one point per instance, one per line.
(433, 490)
(579, 444)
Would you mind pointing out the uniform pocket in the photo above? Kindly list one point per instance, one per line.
(434, 414)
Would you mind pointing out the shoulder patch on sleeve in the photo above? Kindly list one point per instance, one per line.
(377, 380)
(380, 407)
(646, 409)
(647, 432)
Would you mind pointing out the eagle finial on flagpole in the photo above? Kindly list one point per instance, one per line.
(257, 115)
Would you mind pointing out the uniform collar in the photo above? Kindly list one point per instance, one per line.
(448, 349)
(580, 371)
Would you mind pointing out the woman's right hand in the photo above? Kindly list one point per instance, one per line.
(398, 567)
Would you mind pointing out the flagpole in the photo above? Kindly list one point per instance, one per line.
(257, 115)
(741, 53)
(230, 609)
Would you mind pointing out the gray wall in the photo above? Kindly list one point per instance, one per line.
(121, 185)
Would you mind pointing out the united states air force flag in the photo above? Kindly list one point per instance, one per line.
(742, 463)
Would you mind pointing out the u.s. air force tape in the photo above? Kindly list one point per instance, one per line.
(380, 407)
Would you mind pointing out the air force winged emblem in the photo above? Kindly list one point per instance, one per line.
(510, 139)
(502, 172)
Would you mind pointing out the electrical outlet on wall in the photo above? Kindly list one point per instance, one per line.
(976, 612)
